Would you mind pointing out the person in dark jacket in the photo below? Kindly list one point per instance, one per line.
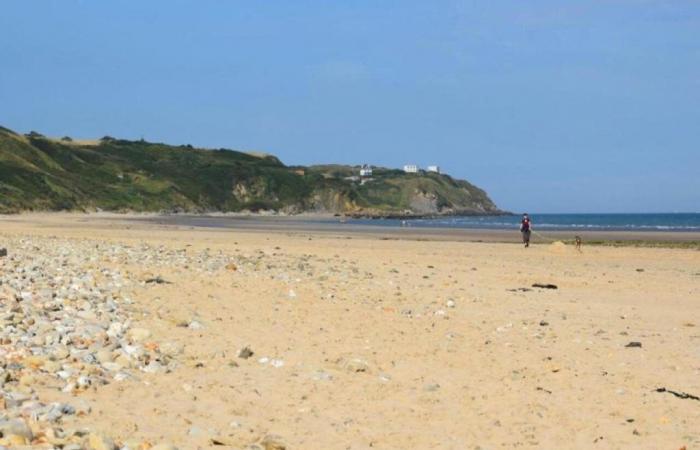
(526, 229)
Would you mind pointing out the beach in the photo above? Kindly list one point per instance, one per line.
(272, 334)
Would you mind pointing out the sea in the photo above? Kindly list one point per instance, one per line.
(556, 222)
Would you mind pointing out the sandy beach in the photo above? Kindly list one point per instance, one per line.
(305, 338)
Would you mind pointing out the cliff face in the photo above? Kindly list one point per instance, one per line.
(37, 173)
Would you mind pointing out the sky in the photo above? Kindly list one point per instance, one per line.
(550, 106)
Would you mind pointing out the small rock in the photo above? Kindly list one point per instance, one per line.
(276, 363)
(543, 323)
(15, 440)
(273, 442)
(171, 349)
(356, 365)
(634, 344)
(16, 427)
(157, 280)
(139, 334)
(194, 325)
(451, 303)
(98, 441)
(245, 352)
(196, 432)
(322, 376)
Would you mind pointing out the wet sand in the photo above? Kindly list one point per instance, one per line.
(363, 340)
(331, 225)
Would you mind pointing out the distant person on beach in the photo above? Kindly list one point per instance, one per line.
(525, 229)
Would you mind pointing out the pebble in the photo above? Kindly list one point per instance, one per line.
(164, 446)
(194, 325)
(139, 334)
(17, 427)
(96, 441)
(322, 376)
(245, 352)
(65, 315)
(276, 363)
(273, 442)
(66, 319)
(356, 365)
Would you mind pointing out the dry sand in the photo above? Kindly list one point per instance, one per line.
(403, 344)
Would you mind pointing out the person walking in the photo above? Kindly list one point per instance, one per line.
(526, 229)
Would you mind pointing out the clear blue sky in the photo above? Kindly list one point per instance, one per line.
(551, 106)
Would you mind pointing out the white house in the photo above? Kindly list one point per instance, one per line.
(366, 170)
(410, 168)
(434, 169)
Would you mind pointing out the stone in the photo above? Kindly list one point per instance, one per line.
(51, 366)
(164, 446)
(27, 380)
(104, 356)
(196, 432)
(60, 352)
(276, 363)
(139, 334)
(97, 441)
(322, 376)
(245, 352)
(172, 349)
(13, 440)
(17, 427)
(194, 325)
(273, 442)
(356, 365)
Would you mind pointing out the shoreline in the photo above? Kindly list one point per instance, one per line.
(328, 225)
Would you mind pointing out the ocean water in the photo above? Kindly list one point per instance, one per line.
(563, 222)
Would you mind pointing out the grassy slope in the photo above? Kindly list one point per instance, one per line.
(37, 173)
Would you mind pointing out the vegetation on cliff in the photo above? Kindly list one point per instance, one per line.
(38, 173)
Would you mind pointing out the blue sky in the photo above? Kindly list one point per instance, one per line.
(550, 106)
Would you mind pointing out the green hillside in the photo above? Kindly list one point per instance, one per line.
(38, 173)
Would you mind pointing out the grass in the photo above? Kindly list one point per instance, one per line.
(39, 173)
